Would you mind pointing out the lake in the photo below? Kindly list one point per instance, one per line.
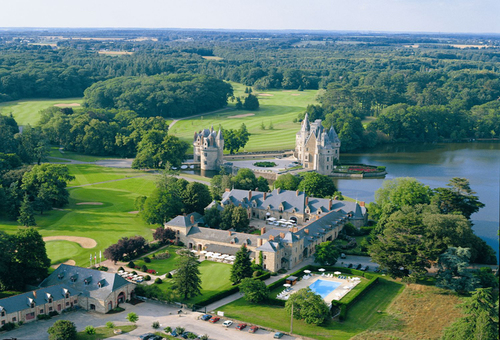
(435, 165)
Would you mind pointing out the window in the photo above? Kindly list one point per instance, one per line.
(32, 305)
(67, 294)
(327, 167)
(76, 301)
(3, 313)
(50, 300)
(328, 158)
(204, 162)
(30, 316)
(67, 303)
(3, 322)
(41, 311)
(50, 309)
(14, 319)
(265, 257)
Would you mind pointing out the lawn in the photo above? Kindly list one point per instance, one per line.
(104, 332)
(61, 251)
(55, 152)
(214, 278)
(104, 223)
(86, 174)
(27, 111)
(161, 266)
(276, 106)
(361, 315)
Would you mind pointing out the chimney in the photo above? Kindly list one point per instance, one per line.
(307, 201)
(317, 217)
(297, 193)
(295, 229)
(229, 232)
(330, 205)
(259, 242)
(249, 195)
(263, 231)
(265, 195)
(271, 238)
(278, 191)
(34, 293)
(282, 235)
(192, 219)
(306, 231)
(228, 190)
(361, 203)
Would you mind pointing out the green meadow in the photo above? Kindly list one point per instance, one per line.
(27, 111)
(278, 107)
(104, 223)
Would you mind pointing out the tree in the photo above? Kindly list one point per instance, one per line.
(287, 182)
(62, 330)
(480, 320)
(251, 102)
(245, 179)
(132, 317)
(242, 266)
(486, 278)
(163, 234)
(307, 306)
(235, 218)
(262, 184)
(459, 198)
(219, 184)
(326, 253)
(317, 185)
(26, 213)
(131, 246)
(235, 139)
(213, 217)
(165, 202)
(31, 261)
(7, 245)
(453, 272)
(254, 290)
(196, 197)
(186, 280)
(239, 104)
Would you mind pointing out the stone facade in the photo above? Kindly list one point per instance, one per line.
(316, 148)
(208, 147)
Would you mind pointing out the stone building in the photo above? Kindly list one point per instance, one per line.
(317, 148)
(68, 287)
(317, 220)
(208, 147)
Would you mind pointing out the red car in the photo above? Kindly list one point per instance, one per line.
(253, 329)
(241, 326)
(214, 319)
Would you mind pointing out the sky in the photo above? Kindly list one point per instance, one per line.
(450, 16)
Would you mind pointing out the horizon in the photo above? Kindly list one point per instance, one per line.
(390, 16)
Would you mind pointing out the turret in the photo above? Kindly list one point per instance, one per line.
(305, 123)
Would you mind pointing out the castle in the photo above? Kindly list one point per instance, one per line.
(208, 147)
(316, 148)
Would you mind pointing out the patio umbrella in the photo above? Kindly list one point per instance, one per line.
(194, 251)
(287, 285)
(224, 256)
(203, 252)
(337, 273)
(357, 279)
(272, 218)
(307, 271)
(321, 269)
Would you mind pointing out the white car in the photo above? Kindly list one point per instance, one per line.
(227, 323)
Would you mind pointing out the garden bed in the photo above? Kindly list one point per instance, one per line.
(265, 164)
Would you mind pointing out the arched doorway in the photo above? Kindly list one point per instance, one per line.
(121, 298)
(305, 253)
(294, 219)
(92, 306)
(200, 247)
(190, 245)
(110, 305)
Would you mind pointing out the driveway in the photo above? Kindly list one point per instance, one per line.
(147, 312)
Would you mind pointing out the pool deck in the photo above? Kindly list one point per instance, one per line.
(337, 294)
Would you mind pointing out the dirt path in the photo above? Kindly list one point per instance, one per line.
(85, 242)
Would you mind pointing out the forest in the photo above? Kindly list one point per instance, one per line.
(378, 88)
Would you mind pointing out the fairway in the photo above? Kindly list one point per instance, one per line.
(276, 106)
(60, 251)
(86, 174)
(27, 111)
(362, 315)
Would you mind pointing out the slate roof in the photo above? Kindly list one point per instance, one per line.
(225, 236)
(217, 248)
(185, 221)
(64, 274)
(40, 297)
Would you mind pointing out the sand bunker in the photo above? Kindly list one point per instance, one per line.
(70, 262)
(67, 105)
(134, 212)
(265, 94)
(85, 242)
(90, 203)
(242, 115)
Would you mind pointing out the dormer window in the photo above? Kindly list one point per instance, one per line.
(66, 295)
(73, 278)
(50, 300)
(32, 305)
(2, 313)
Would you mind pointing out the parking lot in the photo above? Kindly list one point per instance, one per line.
(148, 312)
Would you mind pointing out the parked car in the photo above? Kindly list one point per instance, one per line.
(253, 329)
(358, 266)
(186, 335)
(206, 317)
(342, 256)
(174, 332)
(147, 336)
(278, 335)
(227, 323)
(214, 319)
(350, 265)
(377, 269)
(241, 326)
(363, 268)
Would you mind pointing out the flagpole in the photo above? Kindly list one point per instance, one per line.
(90, 260)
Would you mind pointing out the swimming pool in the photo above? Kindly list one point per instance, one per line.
(324, 287)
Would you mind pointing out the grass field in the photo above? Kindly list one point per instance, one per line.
(54, 152)
(162, 266)
(86, 174)
(214, 278)
(61, 251)
(276, 106)
(104, 332)
(28, 111)
(104, 223)
(361, 315)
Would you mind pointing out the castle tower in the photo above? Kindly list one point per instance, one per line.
(208, 147)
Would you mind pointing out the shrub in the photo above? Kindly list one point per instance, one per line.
(144, 268)
(155, 325)
(265, 164)
(131, 264)
(52, 313)
(103, 268)
(134, 272)
(274, 274)
(169, 275)
(168, 329)
(43, 316)
(257, 273)
(121, 268)
(282, 271)
(90, 330)
(158, 280)
(151, 271)
(147, 277)
(147, 259)
(20, 323)
(179, 329)
(8, 326)
(163, 256)
(109, 324)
